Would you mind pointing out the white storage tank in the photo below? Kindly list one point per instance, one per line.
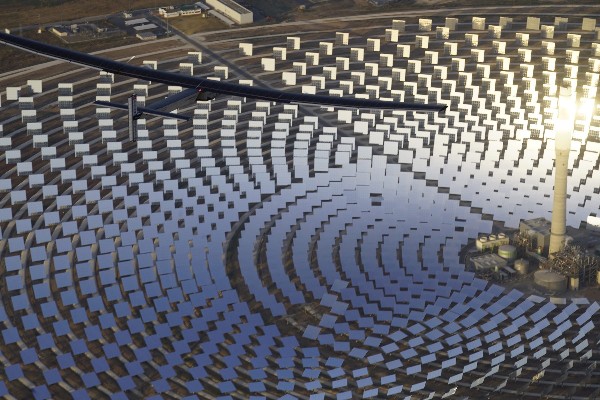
(551, 281)
(507, 251)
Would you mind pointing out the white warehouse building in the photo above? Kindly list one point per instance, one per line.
(232, 10)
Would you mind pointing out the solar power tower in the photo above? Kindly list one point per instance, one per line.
(564, 129)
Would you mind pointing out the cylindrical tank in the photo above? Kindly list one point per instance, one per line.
(598, 277)
(574, 283)
(483, 239)
(507, 251)
(501, 236)
(522, 266)
(550, 280)
(492, 237)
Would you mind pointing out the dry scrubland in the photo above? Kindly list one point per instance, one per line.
(12, 58)
(196, 24)
(34, 12)
(28, 13)
(288, 9)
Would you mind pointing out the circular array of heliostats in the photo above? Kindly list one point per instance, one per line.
(282, 251)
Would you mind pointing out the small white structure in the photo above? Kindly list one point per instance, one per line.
(341, 38)
(533, 23)
(593, 223)
(172, 12)
(186, 68)
(391, 35)
(472, 39)
(548, 31)
(35, 85)
(280, 53)
(195, 57)
(268, 64)
(422, 41)
(144, 27)
(293, 43)
(150, 64)
(246, 49)
(60, 31)
(451, 23)
(505, 22)
(425, 24)
(137, 21)
(288, 78)
(373, 44)
(478, 24)
(588, 24)
(495, 31)
(399, 24)
(442, 32)
(168, 12)
(222, 72)
(325, 48)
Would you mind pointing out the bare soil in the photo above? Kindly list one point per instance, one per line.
(342, 8)
(39, 12)
(196, 23)
(12, 58)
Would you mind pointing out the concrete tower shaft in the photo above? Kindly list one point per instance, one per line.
(564, 130)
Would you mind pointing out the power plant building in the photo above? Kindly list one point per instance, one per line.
(539, 229)
(232, 10)
(488, 262)
(492, 242)
(172, 12)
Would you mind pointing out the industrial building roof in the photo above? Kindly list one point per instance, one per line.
(538, 225)
(235, 6)
(136, 21)
(145, 27)
(488, 261)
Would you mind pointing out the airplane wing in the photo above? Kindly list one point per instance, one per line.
(202, 84)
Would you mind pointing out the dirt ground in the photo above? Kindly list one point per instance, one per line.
(15, 13)
(12, 58)
(331, 8)
(268, 10)
(196, 24)
(38, 12)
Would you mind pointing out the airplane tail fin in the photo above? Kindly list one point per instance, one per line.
(134, 113)
(142, 110)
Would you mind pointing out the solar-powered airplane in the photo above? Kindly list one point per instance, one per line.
(197, 88)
